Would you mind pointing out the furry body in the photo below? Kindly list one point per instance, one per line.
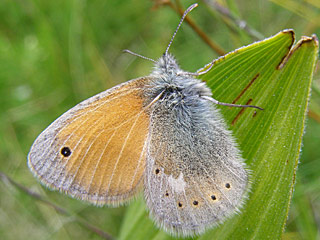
(191, 155)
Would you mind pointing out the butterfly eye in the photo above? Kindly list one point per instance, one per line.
(228, 185)
(66, 152)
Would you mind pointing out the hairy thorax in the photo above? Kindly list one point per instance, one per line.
(174, 87)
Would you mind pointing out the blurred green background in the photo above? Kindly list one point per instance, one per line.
(53, 54)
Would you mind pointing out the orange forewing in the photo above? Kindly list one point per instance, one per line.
(106, 135)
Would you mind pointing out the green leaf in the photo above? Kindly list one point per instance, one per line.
(277, 77)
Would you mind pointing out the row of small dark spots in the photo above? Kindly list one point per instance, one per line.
(195, 202)
(157, 171)
(66, 151)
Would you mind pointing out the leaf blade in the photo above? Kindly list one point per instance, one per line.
(264, 215)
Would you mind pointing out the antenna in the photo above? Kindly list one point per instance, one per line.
(182, 18)
(138, 55)
(230, 104)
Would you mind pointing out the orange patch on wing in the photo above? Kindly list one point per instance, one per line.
(107, 140)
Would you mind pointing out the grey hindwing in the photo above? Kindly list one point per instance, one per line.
(195, 176)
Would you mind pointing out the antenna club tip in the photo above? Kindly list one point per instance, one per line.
(192, 6)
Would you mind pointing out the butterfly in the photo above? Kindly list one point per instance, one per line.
(160, 134)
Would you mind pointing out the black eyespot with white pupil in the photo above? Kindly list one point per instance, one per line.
(66, 151)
